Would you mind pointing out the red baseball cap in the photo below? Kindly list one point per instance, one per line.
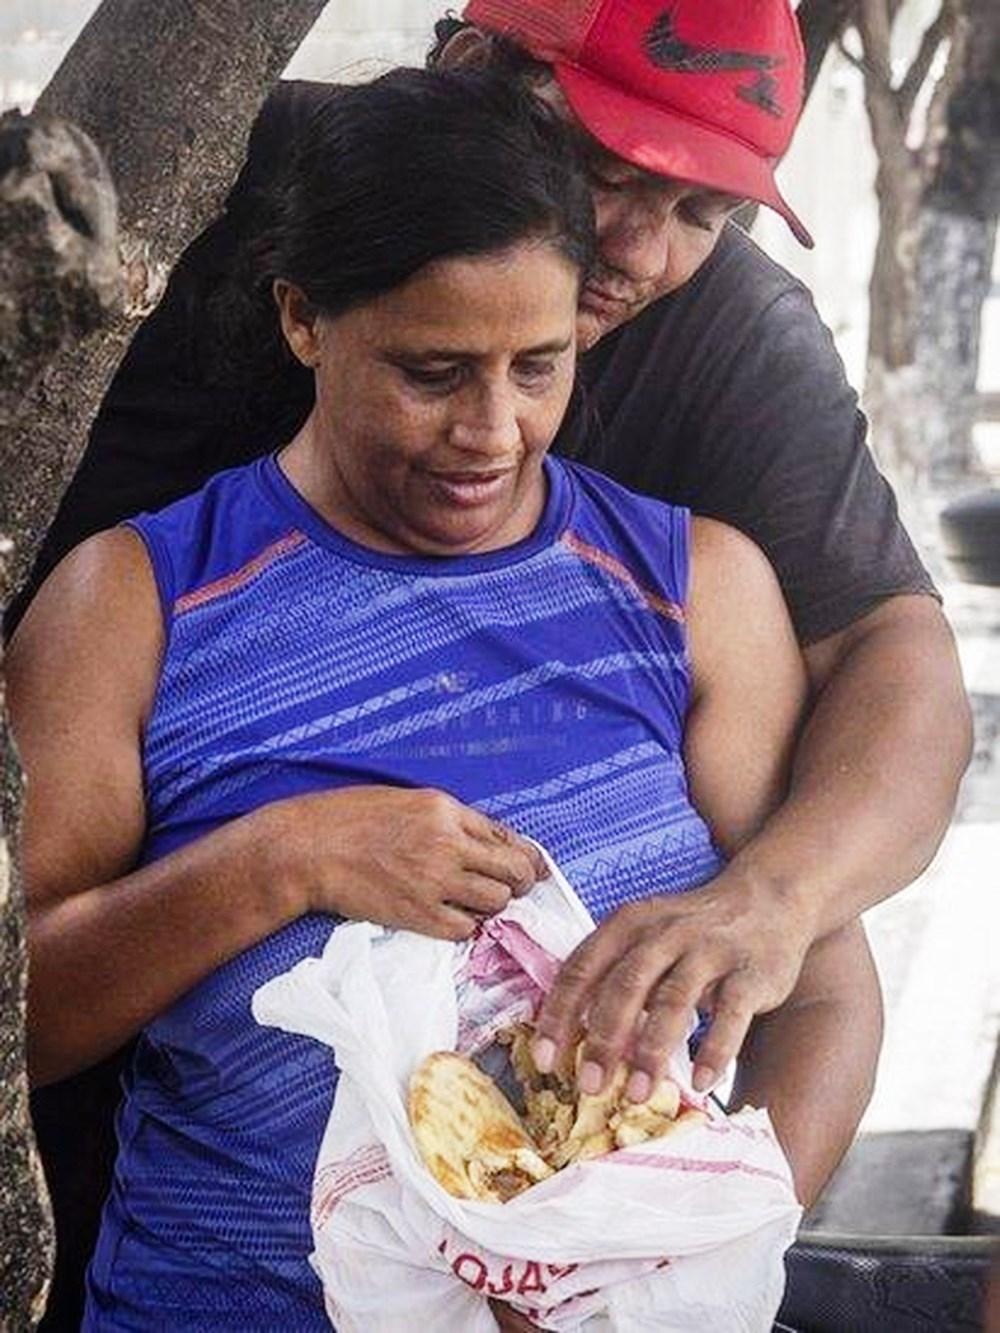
(707, 91)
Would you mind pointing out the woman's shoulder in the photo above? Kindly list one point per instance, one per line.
(603, 492)
(94, 627)
(207, 535)
(735, 599)
(649, 537)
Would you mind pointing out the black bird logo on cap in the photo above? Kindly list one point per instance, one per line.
(669, 51)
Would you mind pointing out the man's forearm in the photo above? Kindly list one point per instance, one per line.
(877, 768)
(812, 1061)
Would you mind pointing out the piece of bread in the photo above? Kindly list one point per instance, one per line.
(476, 1146)
(468, 1134)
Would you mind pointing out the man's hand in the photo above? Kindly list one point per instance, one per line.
(729, 947)
(511, 1321)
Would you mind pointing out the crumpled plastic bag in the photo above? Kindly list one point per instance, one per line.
(676, 1235)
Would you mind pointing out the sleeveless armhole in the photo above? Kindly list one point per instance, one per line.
(680, 520)
(163, 573)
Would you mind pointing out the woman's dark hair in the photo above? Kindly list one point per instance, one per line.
(417, 166)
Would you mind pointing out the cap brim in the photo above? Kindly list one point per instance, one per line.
(669, 144)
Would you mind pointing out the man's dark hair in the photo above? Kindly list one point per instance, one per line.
(496, 52)
(392, 175)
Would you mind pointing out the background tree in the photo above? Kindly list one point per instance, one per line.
(59, 278)
(168, 93)
(936, 132)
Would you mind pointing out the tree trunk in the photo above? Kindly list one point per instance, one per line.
(938, 203)
(953, 279)
(59, 279)
(168, 93)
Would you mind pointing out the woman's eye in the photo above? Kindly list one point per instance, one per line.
(434, 377)
(534, 372)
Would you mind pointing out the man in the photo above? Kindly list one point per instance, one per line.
(710, 381)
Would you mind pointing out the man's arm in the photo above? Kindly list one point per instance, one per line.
(812, 1061)
(887, 742)
(873, 786)
(776, 446)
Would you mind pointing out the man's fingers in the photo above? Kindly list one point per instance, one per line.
(561, 1014)
(732, 1014)
(669, 1009)
(615, 1008)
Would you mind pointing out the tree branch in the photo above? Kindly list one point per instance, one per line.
(821, 23)
(874, 25)
(913, 80)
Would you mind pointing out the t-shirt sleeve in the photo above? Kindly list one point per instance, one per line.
(783, 456)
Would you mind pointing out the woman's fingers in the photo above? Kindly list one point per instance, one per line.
(480, 895)
(498, 852)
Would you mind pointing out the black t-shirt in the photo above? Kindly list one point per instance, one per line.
(727, 396)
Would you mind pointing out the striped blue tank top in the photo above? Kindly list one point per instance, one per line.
(546, 683)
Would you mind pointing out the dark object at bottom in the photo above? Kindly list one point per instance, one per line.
(970, 529)
(864, 1284)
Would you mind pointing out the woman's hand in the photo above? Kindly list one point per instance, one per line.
(411, 858)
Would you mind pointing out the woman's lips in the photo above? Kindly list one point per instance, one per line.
(468, 489)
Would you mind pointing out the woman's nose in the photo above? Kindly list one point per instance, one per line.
(487, 424)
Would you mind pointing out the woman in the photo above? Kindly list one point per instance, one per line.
(343, 681)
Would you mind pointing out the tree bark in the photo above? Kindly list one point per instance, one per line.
(59, 279)
(168, 93)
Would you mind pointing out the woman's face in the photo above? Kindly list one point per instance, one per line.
(436, 402)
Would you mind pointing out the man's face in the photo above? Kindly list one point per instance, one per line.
(653, 232)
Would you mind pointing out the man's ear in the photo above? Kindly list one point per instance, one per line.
(469, 47)
(299, 318)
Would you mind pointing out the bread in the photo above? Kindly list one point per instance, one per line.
(468, 1134)
(476, 1146)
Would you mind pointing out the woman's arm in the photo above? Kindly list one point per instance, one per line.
(112, 946)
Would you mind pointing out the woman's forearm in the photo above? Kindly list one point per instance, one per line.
(108, 959)
(812, 1061)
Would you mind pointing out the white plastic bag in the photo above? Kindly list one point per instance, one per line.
(675, 1235)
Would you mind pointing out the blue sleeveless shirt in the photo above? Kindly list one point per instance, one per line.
(546, 683)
